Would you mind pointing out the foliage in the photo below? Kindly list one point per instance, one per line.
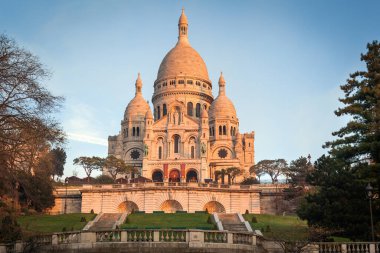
(298, 170)
(9, 228)
(232, 173)
(58, 159)
(273, 168)
(116, 166)
(249, 181)
(53, 223)
(104, 179)
(36, 191)
(28, 130)
(258, 172)
(339, 203)
(89, 164)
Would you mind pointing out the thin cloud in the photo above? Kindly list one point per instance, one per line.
(87, 139)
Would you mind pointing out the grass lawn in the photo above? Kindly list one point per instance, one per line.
(166, 220)
(285, 227)
(53, 223)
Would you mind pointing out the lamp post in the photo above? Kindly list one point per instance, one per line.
(66, 181)
(369, 190)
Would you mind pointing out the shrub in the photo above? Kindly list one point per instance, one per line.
(92, 211)
(246, 211)
(254, 219)
(64, 229)
(209, 220)
(206, 210)
(268, 229)
(83, 219)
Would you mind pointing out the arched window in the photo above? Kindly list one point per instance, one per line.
(177, 139)
(137, 131)
(158, 112)
(164, 110)
(224, 130)
(210, 132)
(126, 132)
(232, 131)
(213, 131)
(192, 152)
(190, 109)
(220, 130)
(133, 131)
(160, 153)
(198, 110)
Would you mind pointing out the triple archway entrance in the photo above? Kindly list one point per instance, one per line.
(175, 176)
(171, 206)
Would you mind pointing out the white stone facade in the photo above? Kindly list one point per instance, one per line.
(190, 135)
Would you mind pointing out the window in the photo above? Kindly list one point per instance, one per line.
(133, 131)
(172, 82)
(164, 110)
(176, 143)
(224, 130)
(190, 109)
(198, 110)
(220, 130)
(181, 81)
(158, 112)
(160, 153)
(189, 81)
(213, 131)
(192, 152)
(137, 131)
(198, 83)
(126, 132)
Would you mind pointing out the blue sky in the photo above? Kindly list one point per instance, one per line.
(283, 61)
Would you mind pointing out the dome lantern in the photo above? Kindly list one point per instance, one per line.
(182, 27)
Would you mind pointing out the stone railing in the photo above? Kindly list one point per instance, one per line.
(349, 247)
(324, 247)
(183, 184)
(171, 238)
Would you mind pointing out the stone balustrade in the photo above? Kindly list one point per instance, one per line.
(170, 238)
(349, 247)
(267, 187)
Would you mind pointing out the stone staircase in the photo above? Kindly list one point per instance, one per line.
(106, 222)
(231, 222)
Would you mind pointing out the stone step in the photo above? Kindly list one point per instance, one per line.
(106, 221)
(231, 222)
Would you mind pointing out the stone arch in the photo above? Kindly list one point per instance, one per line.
(214, 207)
(157, 176)
(174, 175)
(127, 207)
(192, 175)
(171, 206)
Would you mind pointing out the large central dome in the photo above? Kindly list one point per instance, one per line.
(182, 60)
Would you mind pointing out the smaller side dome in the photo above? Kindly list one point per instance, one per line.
(137, 107)
(148, 114)
(222, 107)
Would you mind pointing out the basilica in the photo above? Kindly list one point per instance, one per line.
(190, 135)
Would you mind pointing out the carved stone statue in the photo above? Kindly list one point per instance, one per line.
(203, 148)
(146, 150)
